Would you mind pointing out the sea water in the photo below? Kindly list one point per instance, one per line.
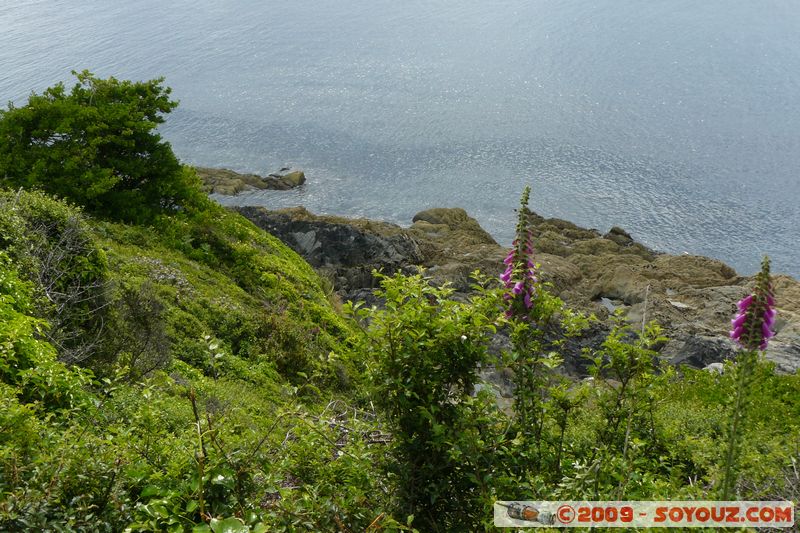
(677, 120)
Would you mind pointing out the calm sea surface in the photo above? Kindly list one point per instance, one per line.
(677, 120)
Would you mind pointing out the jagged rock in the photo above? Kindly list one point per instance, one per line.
(698, 351)
(456, 221)
(346, 250)
(289, 180)
(619, 236)
(228, 182)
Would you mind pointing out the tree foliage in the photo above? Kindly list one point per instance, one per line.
(97, 145)
(424, 349)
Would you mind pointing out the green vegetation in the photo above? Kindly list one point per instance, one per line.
(97, 146)
(167, 366)
(206, 323)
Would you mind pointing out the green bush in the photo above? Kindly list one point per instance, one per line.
(423, 351)
(97, 146)
(53, 246)
(28, 363)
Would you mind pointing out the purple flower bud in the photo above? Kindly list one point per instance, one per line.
(517, 288)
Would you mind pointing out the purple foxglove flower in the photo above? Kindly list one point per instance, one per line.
(744, 303)
(752, 325)
(769, 317)
(519, 276)
(738, 321)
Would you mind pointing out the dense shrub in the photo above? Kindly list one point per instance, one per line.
(97, 146)
(53, 246)
(424, 350)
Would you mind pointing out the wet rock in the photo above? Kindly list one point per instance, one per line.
(287, 180)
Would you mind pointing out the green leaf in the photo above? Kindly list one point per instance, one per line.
(228, 525)
(150, 490)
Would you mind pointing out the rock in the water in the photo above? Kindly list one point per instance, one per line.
(228, 182)
(286, 180)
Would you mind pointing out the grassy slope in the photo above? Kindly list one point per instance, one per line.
(246, 344)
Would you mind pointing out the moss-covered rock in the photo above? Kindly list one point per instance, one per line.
(456, 221)
(229, 183)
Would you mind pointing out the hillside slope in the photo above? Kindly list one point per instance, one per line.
(207, 351)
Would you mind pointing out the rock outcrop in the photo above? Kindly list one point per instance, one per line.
(228, 182)
(693, 297)
(344, 250)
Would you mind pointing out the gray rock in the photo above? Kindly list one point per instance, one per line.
(346, 252)
(696, 350)
(717, 368)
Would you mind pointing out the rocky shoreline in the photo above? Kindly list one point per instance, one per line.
(692, 297)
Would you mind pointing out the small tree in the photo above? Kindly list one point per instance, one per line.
(98, 147)
(424, 349)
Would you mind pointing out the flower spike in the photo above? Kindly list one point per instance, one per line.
(753, 323)
(519, 277)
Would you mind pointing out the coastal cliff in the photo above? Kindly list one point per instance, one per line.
(692, 297)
